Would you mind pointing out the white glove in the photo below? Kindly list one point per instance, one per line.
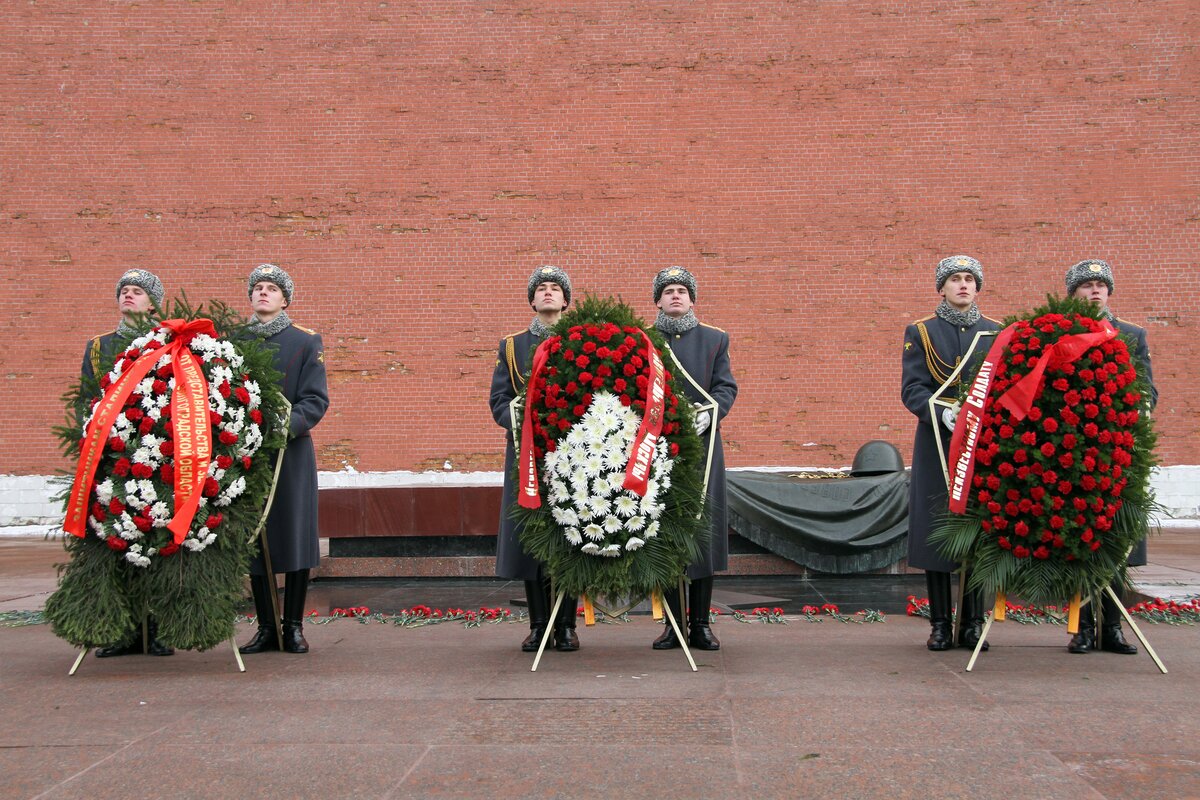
(703, 420)
(950, 416)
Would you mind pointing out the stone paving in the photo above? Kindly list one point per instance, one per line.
(824, 710)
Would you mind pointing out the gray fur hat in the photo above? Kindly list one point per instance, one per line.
(147, 281)
(674, 275)
(552, 275)
(948, 266)
(1090, 269)
(275, 275)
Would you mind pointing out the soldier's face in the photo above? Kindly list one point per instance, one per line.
(960, 290)
(675, 300)
(133, 300)
(1092, 291)
(548, 296)
(266, 300)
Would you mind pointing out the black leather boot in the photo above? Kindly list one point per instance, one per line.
(667, 640)
(154, 647)
(537, 596)
(132, 648)
(941, 634)
(565, 638)
(1112, 640)
(295, 590)
(971, 614)
(1085, 640)
(265, 637)
(700, 635)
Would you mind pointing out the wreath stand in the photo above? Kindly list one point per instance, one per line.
(657, 604)
(998, 610)
(260, 532)
(936, 404)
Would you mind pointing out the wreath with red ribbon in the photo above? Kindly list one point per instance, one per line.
(170, 482)
(610, 472)
(1051, 457)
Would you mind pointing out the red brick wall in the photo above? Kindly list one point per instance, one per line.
(411, 162)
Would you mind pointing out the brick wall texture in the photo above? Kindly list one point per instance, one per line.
(411, 162)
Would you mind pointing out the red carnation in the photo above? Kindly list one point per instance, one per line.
(142, 470)
(143, 524)
(169, 549)
(1029, 437)
(1004, 543)
(1047, 448)
(1060, 384)
(1056, 522)
(1021, 529)
(228, 437)
(98, 512)
(582, 362)
(1021, 551)
(1041, 553)
(1050, 424)
(167, 449)
(166, 473)
(1034, 414)
(224, 389)
(563, 424)
(256, 416)
(626, 400)
(211, 487)
(589, 347)
(224, 462)
(585, 377)
(145, 426)
(116, 444)
(121, 467)
(246, 462)
(242, 395)
(674, 449)
(213, 521)
(159, 387)
(134, 414)
(115, 542)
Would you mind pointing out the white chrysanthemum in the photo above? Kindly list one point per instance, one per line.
(146, 489)
(652, 529)
(634, 543)
(564, 516)
(104, 490)
(214, 471)
(653, 511)
(592, 465)
(612, 524)
(551, 460)
(165, 361)
(602, 487)
(635, 523)
(625, 505)
(121, 426)
(599, 506)
(590, 547)
(573, 536)
(594, 532)
(612, 550)
(145, 386)
(574, 437)
(160, 511)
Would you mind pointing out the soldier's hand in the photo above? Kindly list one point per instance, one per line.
(950, 416)
(703, 420)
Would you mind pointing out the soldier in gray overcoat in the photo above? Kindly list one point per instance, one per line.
(933, 347)
(138, 292)
(292, 523)
(703, 352)
(549, 294)
(1092, 280)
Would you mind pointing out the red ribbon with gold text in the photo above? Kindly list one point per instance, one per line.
(189, 425)
(637, 473)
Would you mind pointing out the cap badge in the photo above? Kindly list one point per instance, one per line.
(268, 270)
(960, 262)
(1095, 268)
(672, 272)
(547, 270)
(133, 273)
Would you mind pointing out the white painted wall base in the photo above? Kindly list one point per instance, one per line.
(27, 506)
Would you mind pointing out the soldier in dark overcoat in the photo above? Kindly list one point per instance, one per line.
(703, 352)
(549, 294)
(1092, 280)
(291, 528)
(138, 292)
(933, 348)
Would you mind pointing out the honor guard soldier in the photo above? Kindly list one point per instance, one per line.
(933, 348)
(138, 292)
(703, 352)
(1092, 280)
(292, 523)
(549, 294)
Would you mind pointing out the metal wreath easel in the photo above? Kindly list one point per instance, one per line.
(936, 403)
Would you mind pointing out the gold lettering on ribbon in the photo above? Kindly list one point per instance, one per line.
(193, 440)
